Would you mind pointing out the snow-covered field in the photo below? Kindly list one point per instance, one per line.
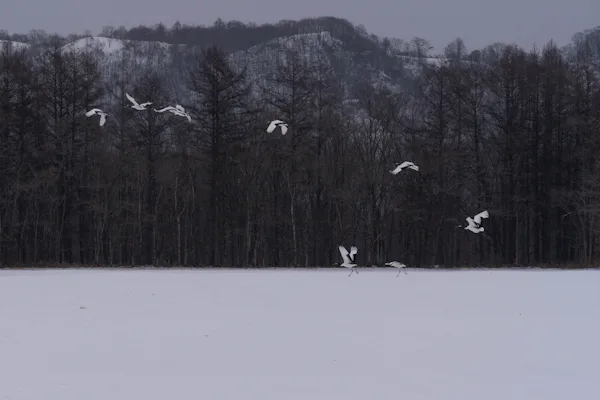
(304, 334)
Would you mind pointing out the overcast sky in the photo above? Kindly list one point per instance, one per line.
(478, 22)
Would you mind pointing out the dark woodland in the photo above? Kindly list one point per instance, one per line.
(512, 131)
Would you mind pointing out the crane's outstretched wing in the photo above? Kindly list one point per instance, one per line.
(167, 108)
(405, 164)
(273, 125)
(131, 99)
(344, 254)
(478, 217)
(92, 112)
(353, 251)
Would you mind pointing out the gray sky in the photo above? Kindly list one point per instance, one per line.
(478, 22)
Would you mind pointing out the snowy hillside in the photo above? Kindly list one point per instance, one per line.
(262, 60)
(172, 61)
(13, 45)
(311, 49)
(129, 60)
(107, 45)
(137, 57)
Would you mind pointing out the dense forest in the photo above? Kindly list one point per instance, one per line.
(504, 129)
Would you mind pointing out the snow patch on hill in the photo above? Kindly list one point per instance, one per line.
(131, 59)
(14, 45)
(173, 61)
(310, 47)
(108, 45)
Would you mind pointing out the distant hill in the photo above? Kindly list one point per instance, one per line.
(355, 56)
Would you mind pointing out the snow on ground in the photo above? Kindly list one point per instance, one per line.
(282, 334)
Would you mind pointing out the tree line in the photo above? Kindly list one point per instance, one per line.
(511, 131)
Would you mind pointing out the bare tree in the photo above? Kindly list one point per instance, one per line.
(220, 94)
